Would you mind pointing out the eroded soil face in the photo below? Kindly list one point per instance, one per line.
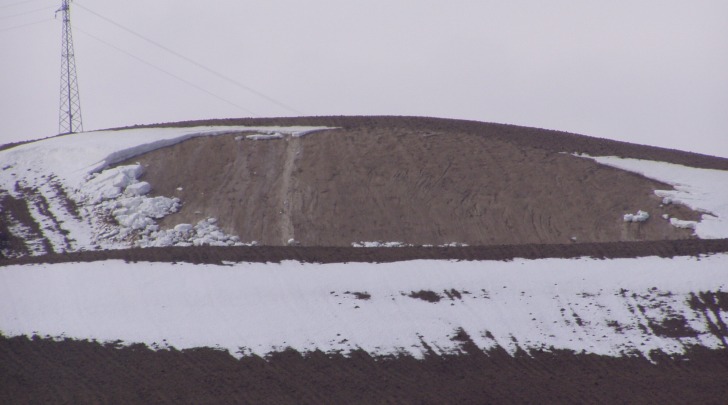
(395, 183)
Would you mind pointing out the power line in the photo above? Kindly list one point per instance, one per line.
(17, 3)
(164, 71)
(199, 65)
(26, 12)
(24, 25)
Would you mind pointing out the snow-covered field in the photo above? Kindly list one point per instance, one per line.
(609, 307)
(77, 166)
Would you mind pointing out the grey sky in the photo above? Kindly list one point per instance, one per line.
(651, 72)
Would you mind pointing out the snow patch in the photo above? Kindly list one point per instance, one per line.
(678, 223)
(400, 244)
(703, 190)
(264, 137)
(379, 244)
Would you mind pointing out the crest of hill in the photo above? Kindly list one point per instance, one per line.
(419, 181)
(547, 139)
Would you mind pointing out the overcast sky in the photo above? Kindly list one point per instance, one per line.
(651, 72)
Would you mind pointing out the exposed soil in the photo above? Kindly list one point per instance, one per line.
(389, 179)
(44, 371)
(425, 295)
(16, 210)
(275, 254)
(10, 244)
(550, 140)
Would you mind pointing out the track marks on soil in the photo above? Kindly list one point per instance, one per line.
(286, 191)
(21, 224)
(391, 183)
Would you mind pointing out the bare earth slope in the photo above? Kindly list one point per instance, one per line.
(416, 181)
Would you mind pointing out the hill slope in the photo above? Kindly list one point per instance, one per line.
(596, 271)
(413, 181)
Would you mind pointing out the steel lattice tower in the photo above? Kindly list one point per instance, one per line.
(70, 113)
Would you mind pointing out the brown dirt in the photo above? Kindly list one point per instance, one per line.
(10, 244)
(17, 209)
(276, 254)
(44, 371)
(401, 180)
(425, 295)
(550, 140)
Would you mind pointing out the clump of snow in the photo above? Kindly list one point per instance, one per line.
(703, 190)
(136, 213)
(138, 189)
(678, 223)
(264, 137)
(299, 134)
(117, 193)
(181, 228)
(204, 233)
(640, 216)
(379, 244)
(110, 183)
(454, 244)
(273, 134)
(401, 244)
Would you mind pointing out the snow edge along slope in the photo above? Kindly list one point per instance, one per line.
(78, 166)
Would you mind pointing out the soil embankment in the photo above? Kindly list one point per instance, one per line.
(398, 180)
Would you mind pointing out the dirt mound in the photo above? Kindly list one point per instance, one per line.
(416, 181)
(44, 371)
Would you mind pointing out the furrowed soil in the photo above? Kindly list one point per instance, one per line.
(47, 371)
(275, 254)
(416, 181)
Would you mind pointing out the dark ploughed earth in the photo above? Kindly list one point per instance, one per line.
(275, 254)
(73, 372)
(509, 192)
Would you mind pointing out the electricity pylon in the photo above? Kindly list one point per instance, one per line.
(70, 114)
